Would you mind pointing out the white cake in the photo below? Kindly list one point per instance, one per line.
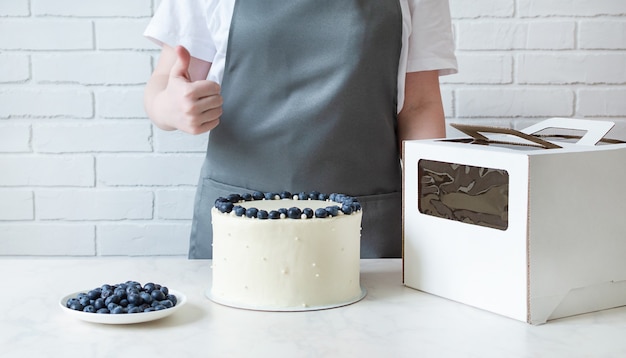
(278, 252)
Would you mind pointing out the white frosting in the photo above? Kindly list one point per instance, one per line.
(282, 264)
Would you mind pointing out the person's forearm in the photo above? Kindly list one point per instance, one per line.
(423, 122)
(155, 86)
(422, 115)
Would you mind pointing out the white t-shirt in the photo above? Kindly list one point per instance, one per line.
(202, 27)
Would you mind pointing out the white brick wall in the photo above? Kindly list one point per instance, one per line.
(83, 172)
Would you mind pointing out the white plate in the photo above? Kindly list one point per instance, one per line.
(126, 318)
(220, 301)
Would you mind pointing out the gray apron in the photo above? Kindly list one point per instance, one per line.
(310, 95)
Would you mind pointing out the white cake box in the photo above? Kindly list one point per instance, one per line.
(523, 231)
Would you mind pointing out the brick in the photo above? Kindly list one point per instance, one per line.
(124, 136)
(92, 8)
(175, 204)
(35, 239)
(14, 138)
(92, 68)
(482, 69)
(570, 68)
(46, 34)
(507, 35)
(16, 205)
(605, 102)
(93, 204)
(179, 142)
(519, 102)
(14, 8)
(14, 68)
(51, 101)
(605, 34)
(447, 99)
(123, 34)
(459, 9)
(146, 239)
(120, 102)
(535, 8)
(133, 170)
(27, 170)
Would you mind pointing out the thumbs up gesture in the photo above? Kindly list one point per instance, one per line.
(179, 97)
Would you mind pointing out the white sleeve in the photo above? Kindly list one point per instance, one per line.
(431, 42)
(183, 22)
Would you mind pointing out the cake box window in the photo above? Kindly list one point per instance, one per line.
(465, 193)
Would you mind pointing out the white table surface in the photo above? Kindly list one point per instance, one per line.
(392, 320)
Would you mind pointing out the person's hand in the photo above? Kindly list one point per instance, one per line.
(194, 106)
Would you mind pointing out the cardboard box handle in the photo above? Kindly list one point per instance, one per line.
(475, 132)
(595, 130)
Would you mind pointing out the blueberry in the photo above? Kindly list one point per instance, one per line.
(262, 214)
(294, 213)
(239, 210)
(84, 300)
(167, 303)
(146, 297)
(118, 310)
(271, 195)
(106, 292)
(112, 299)
(321, 213)
(220, 200)
(258, 195)
(234, 198)
(127, 297)
(226, 207)
(148, 287)
(119, 292)
(346, 209)
(158, 295)
(76, 306)
(135, 299)
(95, 293)
(332, 210)
(283, 211)
(274, 214)
(314, 195)
(99, 303)
(135, 310)
(308, 212)
(246, 196)
(303, 195)
(285, 195)
(71, 301)
(252, 212)
(89, 309)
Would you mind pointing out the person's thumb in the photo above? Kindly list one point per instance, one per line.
(181, 66)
